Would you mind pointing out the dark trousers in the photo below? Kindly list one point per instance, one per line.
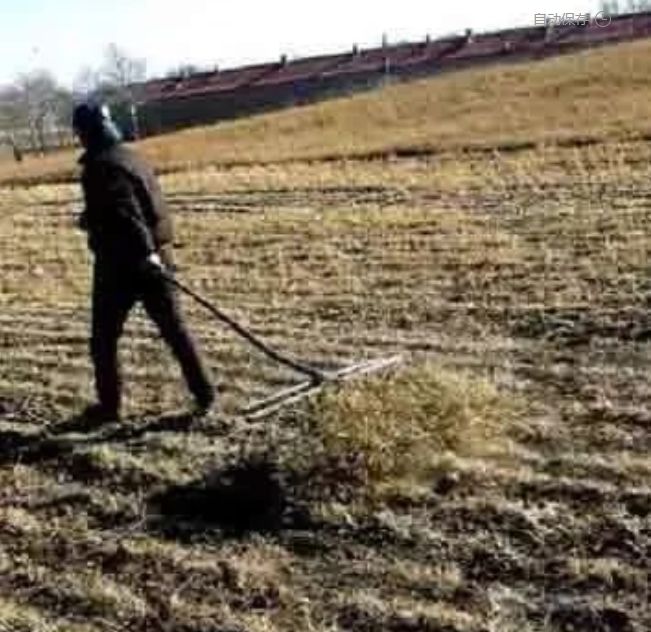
(115, 292)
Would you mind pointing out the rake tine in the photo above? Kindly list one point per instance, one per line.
(300, 391)
(331, 376)
(280, 395)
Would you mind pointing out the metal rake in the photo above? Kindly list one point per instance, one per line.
(318, 378)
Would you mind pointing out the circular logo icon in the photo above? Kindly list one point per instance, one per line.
(602, 20)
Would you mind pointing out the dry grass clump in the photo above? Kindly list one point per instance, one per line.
(400, 425)
(17, 617)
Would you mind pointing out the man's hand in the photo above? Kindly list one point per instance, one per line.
(153, 264)
(154, 260)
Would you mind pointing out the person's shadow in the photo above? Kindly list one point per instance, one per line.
(55, 441)
(250, 495)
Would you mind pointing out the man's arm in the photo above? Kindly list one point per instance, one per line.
(121, 214)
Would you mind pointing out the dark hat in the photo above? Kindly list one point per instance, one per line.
(93, 123)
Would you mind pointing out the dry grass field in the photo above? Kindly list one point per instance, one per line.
(499, 481)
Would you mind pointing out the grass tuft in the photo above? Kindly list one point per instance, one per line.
(400, 425)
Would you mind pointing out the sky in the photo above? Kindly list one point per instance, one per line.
(64, 36)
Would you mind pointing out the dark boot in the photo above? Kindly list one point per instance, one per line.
(205, 405)
(99, 414)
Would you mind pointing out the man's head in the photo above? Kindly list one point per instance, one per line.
(94, 126)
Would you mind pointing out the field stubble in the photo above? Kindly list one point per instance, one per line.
(526, 273)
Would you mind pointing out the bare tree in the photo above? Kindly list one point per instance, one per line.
(87, 82)
(120, 72)
(114, 79)
(11, 119)
(10, 114)
(115, 83)
(35, 109)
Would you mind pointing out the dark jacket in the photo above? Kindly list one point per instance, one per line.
(125, 213)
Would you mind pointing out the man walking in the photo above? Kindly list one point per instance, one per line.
(130, 234)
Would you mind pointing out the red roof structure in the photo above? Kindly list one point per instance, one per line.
(172, 103)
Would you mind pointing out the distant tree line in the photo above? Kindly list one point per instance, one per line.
(32, 110)
(35, 110)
